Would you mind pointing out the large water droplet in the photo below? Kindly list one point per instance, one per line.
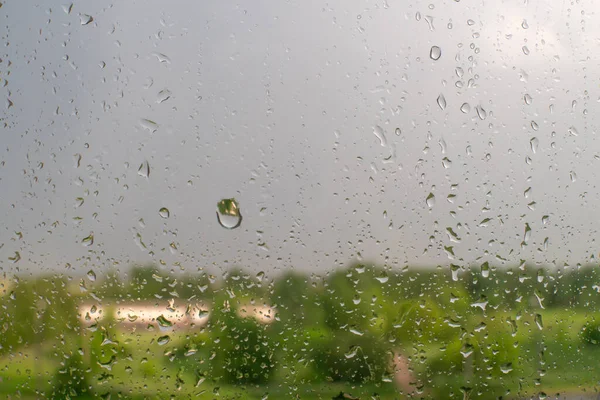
(527, 99)
(85, 19)
(506, 368)
(430, 200)
(481, 113)
(441, 100)
(144, 169)
(435, 53)
(485, 269)
(148, 125)
(538, 321)
(379, 133)
(91, 275)
(465, 108)
(534, 144)
(573, 131)
(524, 24)
(163, 96)
(163, 340)
(228, 213)
(88, 240)
(164, 212)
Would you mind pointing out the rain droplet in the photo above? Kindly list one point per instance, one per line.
(228, 213)
(506, 368)
(435, 53)
(466, 350)
(85, 19)
(526, 235)
(545, 219)
(16, 258)
(538, 321)
(527, 192)
(148, 124)
(163, 340)
(527, 99)
(163, 96)
(162, 58)
(164, 212)
(430, 200)
(485, 269)
(352, 352)
(378, 132)
(573, 176)
(88, 240)
(163, 322)
(534, 126)
(397, 131)
(446, 163)
(534, 144)
(465, 108)
(67, 8)
(441, 100)
(454, 270)
(524, 24)
(144, 169)
(525, 50)
(481, 113)
(573, 131)
(91, 275)
(470, 22)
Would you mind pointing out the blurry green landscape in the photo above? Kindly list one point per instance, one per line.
(363, 332)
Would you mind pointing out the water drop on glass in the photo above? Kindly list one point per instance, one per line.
(378, 132)
(163, 340)
(144, 169)
(163, 96)
(481, 113)
(441, 101)
(148, 125)
(430, 200)
(573, 131)
(465, 108)
(534, 126)
(435, 53)
(85, 19)
(228, 213)
(397, 131)
(164, 212)
(91, 275)
(88, 240)
(485, 269)
(527, 99)
(538, 321)
(534, 144)
(506, 368)
(524, 24)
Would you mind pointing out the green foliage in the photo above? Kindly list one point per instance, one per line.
(69, 381)
(243, 351)
(590, 333)
(350, 358)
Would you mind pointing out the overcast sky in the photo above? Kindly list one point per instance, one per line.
(321, 119)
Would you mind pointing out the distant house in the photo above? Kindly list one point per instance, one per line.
(165, 316)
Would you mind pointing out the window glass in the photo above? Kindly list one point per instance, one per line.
(345, 199)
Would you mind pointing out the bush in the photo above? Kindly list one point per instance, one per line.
(591, 333)
(243, 351)
(350, 358)
(69, 382)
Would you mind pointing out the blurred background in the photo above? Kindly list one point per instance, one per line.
(354, 199)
